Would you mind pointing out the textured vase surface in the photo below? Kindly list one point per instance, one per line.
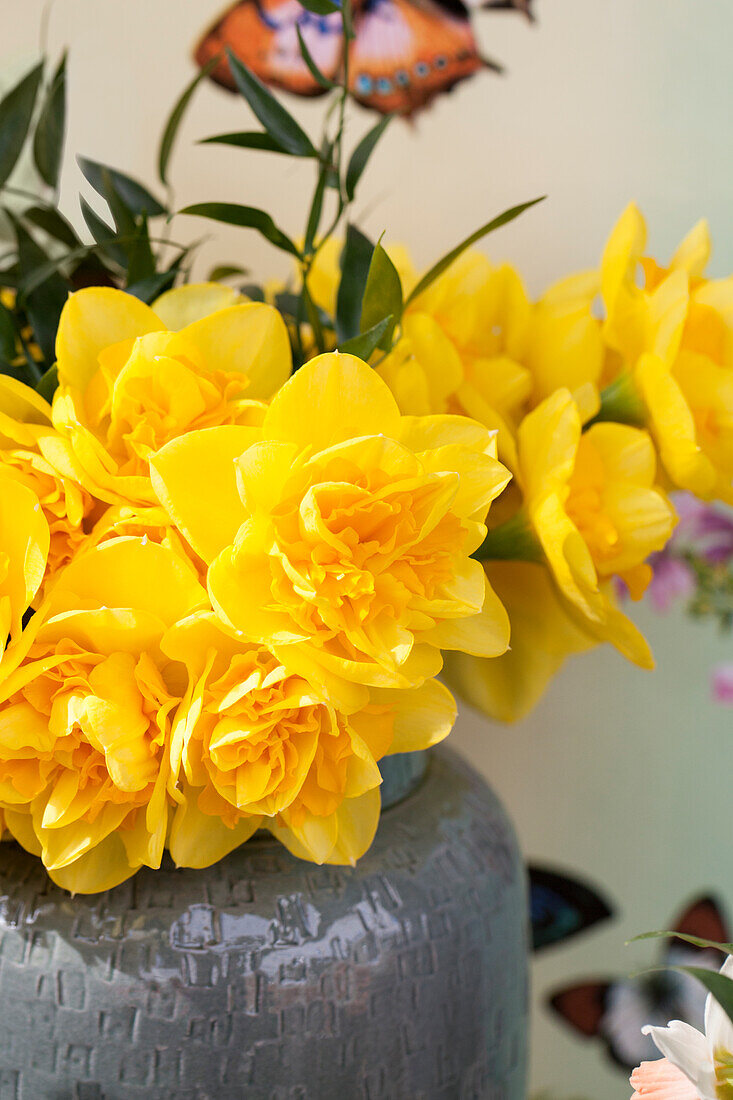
(266, 978)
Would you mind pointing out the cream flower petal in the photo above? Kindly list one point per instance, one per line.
(689, 1050)
(718, 1026)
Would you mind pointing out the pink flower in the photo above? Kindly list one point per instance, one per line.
(673, 580)
(722, 683)
(661, 1080)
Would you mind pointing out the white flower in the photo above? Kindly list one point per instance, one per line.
(695, 1066)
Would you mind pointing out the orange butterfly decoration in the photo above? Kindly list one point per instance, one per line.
(404, 52)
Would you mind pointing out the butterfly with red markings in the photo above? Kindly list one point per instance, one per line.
(616, 1011)
(403, 54)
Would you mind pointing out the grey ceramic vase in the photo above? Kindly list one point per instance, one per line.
(266, 978)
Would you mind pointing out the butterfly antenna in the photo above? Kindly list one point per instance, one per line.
(494, 66)
(523, 6)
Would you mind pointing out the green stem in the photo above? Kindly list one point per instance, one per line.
(511, 541)
(336, 145)
(621, 402)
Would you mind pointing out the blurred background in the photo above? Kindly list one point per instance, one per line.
(620, 777)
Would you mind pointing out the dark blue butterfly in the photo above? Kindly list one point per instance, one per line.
(561, 906)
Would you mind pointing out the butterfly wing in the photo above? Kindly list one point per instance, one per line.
(582, 1006)
(703, 917)
(616, 1011)
(561, 907)
(263, 35)
(405, 52)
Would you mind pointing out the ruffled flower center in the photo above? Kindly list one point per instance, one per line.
(353, 549)
(90, 735)
(152, 390)
(261, 734)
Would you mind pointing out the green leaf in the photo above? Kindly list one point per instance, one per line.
(22, 371)
(718, 984)
(43, 305)
(147, 290)
(104, 235)
(314, 319)
(122, 214)
(310, 64)
(437, 269)
(247, 217)
(366, 342)
(316, 210)
(278, 122)
(362, 153)
(382, 295)
(248, 139)
(136, 197)
(176, 117)
(52, 222)
(320, 7)
(252, 291)
(225, 271)
(8, 334)
(726, 948)
(16, 113)
(48, 383)
(355, 259)
(48, 142)
(140, 259)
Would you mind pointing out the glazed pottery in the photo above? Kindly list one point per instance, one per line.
(267, 978)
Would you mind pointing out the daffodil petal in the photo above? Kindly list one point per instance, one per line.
(195, 479)
(184, 305)
(250, 338)
(331, 399)
(92, 320)
(199, 840)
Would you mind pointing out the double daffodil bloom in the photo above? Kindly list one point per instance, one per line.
(462, 348)
(86, 702)
(27, 439)
(339, 533)
(255, 744)
(592, 503)
(24, 546)
(674, 335)
(128, 384)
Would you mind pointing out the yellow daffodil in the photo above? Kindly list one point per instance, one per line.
(128, 385)
(674, 336)
(544, 634)
(27, 439)
(564, 343)
(255, 744)
(592, 503)
(339, 533)
(461, 350)
(24, 546)
(85, 715)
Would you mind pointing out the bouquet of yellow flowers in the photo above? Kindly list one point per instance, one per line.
(243, 530)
